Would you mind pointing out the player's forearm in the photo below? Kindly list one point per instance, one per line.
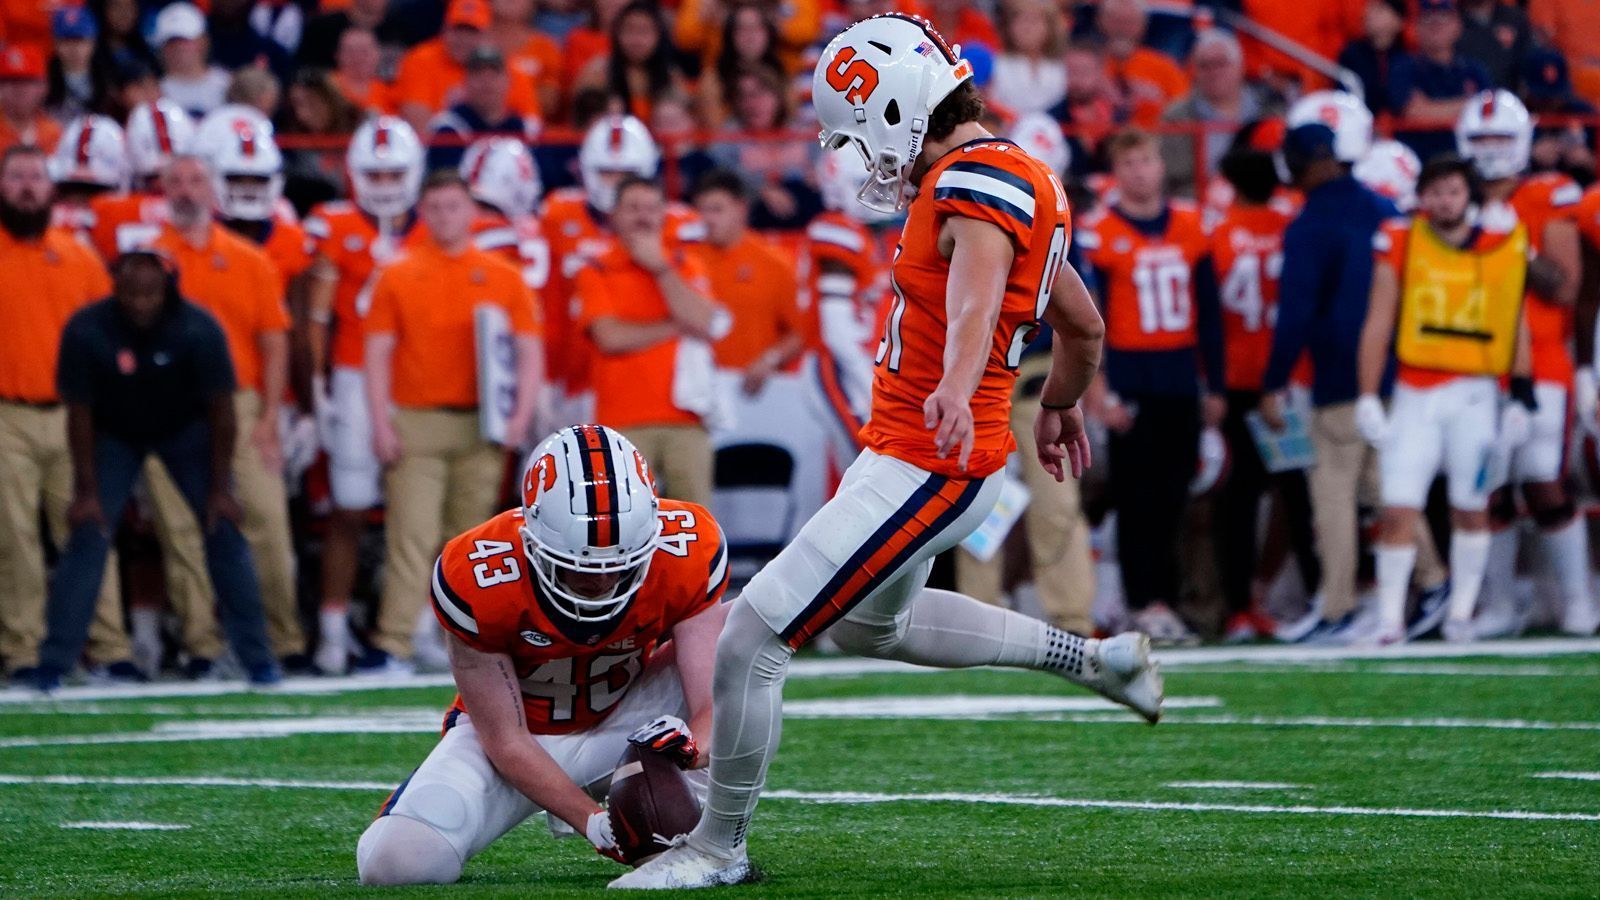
(380, 352)
(1588, 304)
(1074, 362)
(967, 345)
(321, 284)
(80, 444)
(530, 372)
(616, 336)
(521, 761)
(1377, 333)
(274, 347)
(693, 312)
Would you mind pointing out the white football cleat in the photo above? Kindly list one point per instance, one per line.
(1457, 631)
(1122, 670)
(682, 867)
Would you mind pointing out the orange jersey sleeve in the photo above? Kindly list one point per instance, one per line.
(1540, 201)
(573, 675)
(1247, 250)
(1146, 283)
(993, 181)
(1588, 216)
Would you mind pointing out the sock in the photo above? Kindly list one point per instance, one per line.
(1566, 549)
(1394, 566)
(1500, 576)
(335, 625)
(752, 663)
(1469, 556)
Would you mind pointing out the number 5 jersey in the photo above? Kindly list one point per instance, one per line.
(572, 675)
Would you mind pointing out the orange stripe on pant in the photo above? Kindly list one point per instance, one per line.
(925, 519)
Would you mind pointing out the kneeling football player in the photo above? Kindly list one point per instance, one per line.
(559, 668)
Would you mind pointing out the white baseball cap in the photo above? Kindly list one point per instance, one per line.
(178, 20)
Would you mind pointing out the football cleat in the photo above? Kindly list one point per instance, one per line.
(683, 867)
(1457, 631)
(1431, 609)
(1124, 672)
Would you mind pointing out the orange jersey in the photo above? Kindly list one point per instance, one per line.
(996, 182)
(289, 248)
(575, 239)
(755, 282)
(1389, 248)
(237, 283)
(634, 388)
(349, 240)
(43, 132)
(1145, 280)
(1247, 250)
(1539, 200)
(428, 300)
(1148, 70)
(573, 675)
(56, 275)
(428, 76)
(521, 243)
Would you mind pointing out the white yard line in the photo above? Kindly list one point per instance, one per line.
(853, 797)
(1448, 670)
(1238, 785)
(848, 668)
(1332, 722)
(124, 826)
(965, 706)
(1568, 776)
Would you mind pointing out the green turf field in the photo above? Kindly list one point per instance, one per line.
(1396, 778)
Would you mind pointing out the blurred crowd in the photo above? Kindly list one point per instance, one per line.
(685, 248)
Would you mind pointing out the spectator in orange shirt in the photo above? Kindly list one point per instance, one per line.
(749, 40)
(54, 275)
(22, 93)
(1150, 80)
(647, 307)
(356, 72)
(432, 74)
(753, 280)
(641, 64)
(587, 42)
(483, 111)
(423, 390)
(529, 53)
(701, 27)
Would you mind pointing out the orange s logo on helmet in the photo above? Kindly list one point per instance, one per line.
(643, 468)
(855, 78)
(1330, 116)
(541, 477)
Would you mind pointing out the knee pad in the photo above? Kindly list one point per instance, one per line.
(402, 850)
(1554, 516)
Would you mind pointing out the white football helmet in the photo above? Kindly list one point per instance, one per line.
(1495, 132)
(92, 151)
(383, 145)
(1349, 118)
(874, 88)
(501, 172)
(615, 144)
(589, 510)
(155, 132)
(1041, 136)
(1391, 169)
(246, 166)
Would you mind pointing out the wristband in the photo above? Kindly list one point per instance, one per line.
(1056, 408)
(1521, 391)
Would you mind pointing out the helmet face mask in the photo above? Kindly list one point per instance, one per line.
(1495, 132)
(248, 197)
(562, 576)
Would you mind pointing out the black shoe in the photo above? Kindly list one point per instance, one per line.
(43, 679)
(121, 672)
(297, 664)
(265, 675)
(1431, 609)
(24, 676)
(198, 668)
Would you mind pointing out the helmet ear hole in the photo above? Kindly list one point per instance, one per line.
(891, 113)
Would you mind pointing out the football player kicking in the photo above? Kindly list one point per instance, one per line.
(558, 617)
(980, 262)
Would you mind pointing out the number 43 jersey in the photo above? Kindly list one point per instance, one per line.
(572, 675)
(993, 181)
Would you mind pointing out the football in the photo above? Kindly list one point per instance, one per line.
(651, 803)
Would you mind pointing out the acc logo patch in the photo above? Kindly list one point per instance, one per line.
(537, 639)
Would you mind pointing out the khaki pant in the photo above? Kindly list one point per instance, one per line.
(680, 457)
(35, 469)
(1057, 532)
(446, 481)
(1346, 474)
(263, 497)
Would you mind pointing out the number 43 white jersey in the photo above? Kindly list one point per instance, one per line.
(572, 675)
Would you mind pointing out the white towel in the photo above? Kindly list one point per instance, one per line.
(694, 385)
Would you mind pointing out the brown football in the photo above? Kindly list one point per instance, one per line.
(651, 803)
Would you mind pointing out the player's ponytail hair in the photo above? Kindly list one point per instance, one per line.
(964, 104)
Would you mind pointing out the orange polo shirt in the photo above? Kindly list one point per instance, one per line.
(430, 77)
(236, 282)
(374, 96)
(426, 300)
(634, 389)
(42, 132)
(49, 279)
(757, 284)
